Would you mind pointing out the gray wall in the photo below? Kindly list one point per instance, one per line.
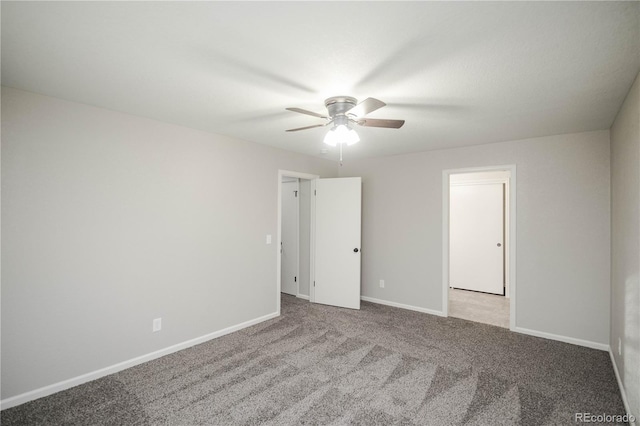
(562, 228)
(110, 220)
(625, 244)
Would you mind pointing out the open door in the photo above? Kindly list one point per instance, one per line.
(337, 242)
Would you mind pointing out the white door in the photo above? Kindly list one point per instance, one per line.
(289, 243)
(476, 229)
(337, 257)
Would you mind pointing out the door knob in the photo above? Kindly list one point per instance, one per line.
(499, 245)
(355, 250)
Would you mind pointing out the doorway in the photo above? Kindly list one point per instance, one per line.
(324, 257)
(479, 245)
(295, 217)
(291, 233)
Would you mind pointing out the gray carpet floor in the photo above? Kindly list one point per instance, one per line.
(317, 364)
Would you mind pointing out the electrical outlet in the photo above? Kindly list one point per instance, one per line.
(619, 346)
(381, 283)
(157, 324)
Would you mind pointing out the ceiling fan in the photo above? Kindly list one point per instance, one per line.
(343, 113)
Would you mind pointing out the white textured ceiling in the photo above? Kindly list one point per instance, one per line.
(459, 73)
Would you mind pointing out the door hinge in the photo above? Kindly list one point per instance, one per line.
(314, 192)
(296, 193)
(314, 283)
(295, 279)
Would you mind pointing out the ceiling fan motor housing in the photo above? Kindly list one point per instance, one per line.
(339, 105)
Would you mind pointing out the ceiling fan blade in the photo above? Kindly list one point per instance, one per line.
(379, 122)
(365, 107)
(304, 111)
(305, 128)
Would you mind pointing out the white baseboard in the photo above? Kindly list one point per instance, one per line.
(303, 296)
(402, 306)
(572, 340)
(623, 393)
(75, 381)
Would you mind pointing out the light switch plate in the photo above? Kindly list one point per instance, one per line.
(157, 324)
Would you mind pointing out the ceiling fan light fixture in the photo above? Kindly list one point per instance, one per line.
(330, 138)
(341, 134)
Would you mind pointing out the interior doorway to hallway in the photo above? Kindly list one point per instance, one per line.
(478, 276)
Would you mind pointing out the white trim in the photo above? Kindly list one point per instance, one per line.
(84, 378)
(402, 306)
(507, 234)
(446, 186)
(297, 236)
(299, 175)
(479, 182)
(511, 258)
(565, 339)
(550, 336)
(302, 296)
(623, 393)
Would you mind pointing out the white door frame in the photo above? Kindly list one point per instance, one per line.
(511, 236)
(312, 178)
